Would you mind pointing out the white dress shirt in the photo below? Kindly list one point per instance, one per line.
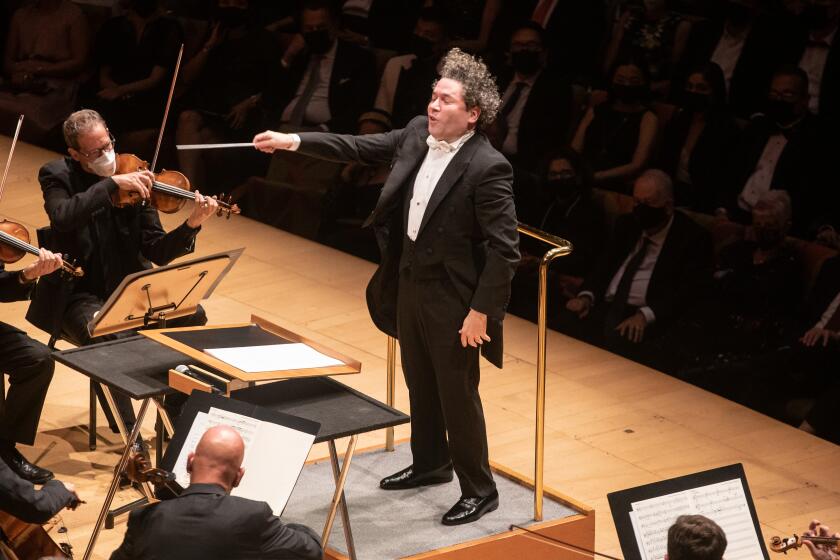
(762, 177)
(728, 52)
(641, 281)
(829, 312)
(510, 146)
(390, 80)
(813, 63)
(318, 108)
(433, 166)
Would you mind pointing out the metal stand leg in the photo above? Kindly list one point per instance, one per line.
(112, 489)
(92, 417)
(345, 515)
(338, 496)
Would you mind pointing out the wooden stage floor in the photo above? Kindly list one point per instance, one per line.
(611, 423)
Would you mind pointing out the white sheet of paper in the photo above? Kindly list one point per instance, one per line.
(273, 357)
(725, 503)
(274, 456)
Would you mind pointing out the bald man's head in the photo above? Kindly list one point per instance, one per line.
(217, 458)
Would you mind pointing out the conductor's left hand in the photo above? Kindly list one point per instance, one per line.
(474, 329)
(204, 207)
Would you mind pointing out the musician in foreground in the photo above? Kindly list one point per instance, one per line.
(205, 521)
(19, 498)
(447, 228)
(110, 242)
(30, 369)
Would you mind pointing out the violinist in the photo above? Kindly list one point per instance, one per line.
(109, 242)
(30, 369)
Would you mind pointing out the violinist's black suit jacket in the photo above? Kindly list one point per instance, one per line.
(19, 497)
(205, 523)
(465, 255)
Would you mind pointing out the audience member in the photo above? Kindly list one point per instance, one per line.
(821, 551)
(564, 207)
(224, 81)
(699, 140)
(784, 149)
(323, 82)
(655, 35)
(616, 138)
(407, 78)
(695, 537)
(536, 102)
(43, 63)
(657, 264)
(136, 55)
(745, 45)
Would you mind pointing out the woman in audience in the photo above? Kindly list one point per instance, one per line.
(654, 34)
(136, 55)
(45, 57)
(616, 137)
(699, 140)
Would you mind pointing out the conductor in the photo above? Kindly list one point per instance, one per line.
(446, 227)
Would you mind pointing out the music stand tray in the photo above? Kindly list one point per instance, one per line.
(167, 292)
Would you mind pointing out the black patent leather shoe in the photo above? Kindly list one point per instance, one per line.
(25, 469)
(470, 509)
(407, 478)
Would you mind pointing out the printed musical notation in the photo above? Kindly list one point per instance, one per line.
(724, 502)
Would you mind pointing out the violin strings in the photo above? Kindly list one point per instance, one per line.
(179, 192)
(17, 243)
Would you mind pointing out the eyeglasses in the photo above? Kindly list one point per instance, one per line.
(94, 154)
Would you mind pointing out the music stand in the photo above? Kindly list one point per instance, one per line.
(150, 297)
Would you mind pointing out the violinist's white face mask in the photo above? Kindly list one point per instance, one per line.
(105, 165)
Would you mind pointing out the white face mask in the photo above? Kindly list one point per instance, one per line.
(105, 165)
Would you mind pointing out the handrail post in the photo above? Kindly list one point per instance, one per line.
(561, 248)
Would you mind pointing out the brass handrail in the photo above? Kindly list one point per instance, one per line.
(561, 247)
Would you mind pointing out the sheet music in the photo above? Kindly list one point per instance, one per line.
(724, 502)
(273, 357)
(274, 455)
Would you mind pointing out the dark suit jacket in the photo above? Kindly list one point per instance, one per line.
(19, 497)
(682, 273)
(11, 290)
(352, 87)
(825, 289)
(205, 523)
(468, 232)
(544, 125)
(109, 243)
(829, 106)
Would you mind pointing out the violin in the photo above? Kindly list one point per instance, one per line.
(779, 544)
(30, 540)
(139, 469)
(14, 244)
(14, 238)
(170, 190)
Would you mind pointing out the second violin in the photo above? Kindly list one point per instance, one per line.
(170, 190)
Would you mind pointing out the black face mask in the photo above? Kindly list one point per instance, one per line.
(319, 42)
(815, 17)
(780, 111)
(649, 217)
(738, 14)
(421, 47)
(526, 63)
(144, 8)
(768, 238)
(231, 17)
(563, 186)
(696, 102)
(629, 94)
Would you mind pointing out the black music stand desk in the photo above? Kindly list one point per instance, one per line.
(138, 367)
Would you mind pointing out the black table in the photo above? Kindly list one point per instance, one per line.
(138, 367)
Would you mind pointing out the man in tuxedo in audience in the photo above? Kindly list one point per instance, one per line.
(536, 102)
(30, 368)
(446, 226)
(205, 521)
(658, 264)
(323, 82)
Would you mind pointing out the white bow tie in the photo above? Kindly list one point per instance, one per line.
(441, 145)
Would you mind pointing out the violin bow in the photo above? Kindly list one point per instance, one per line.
(168, 105)
(11, 153)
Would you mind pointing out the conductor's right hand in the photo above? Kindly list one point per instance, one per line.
(269, 141)
(137, 181)
(579, 306)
